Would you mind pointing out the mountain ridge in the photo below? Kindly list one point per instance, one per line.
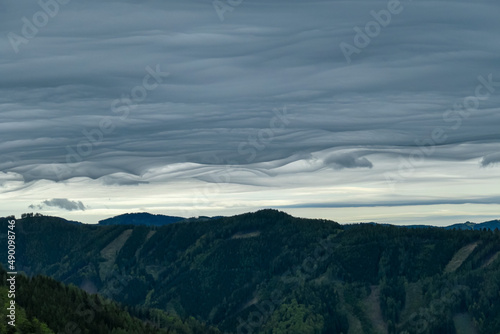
(299, 275)
(148, 219)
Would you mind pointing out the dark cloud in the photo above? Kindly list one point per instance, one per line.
(62, 203)
(395, 203)
(490, 159)
(349, 160)
(226, 78)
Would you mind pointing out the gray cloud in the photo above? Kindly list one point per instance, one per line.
(350, 160)
(395, 203)
(490, 159)
(226, 79)
(62, 203)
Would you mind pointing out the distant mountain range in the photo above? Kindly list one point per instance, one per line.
(489, 225)
(147, 219)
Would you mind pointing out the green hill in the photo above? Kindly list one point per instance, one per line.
(143, 218)
(269, 272)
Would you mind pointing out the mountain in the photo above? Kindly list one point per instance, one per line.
(147, 219)
(489, 225)
(200, 219)
(270, 273)
(141, 219)
(461, 226)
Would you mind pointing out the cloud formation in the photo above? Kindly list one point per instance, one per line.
(88, 96)
(62, 203)
(490, 159)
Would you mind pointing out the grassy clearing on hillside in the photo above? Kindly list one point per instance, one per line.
(460, 257)
(110, 252)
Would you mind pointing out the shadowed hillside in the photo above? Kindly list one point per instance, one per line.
(145, 219)
(45, 306)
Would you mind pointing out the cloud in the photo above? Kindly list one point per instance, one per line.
(347, 160)
(58, 95)
(226, 79)
(62, 203)
(490, 159)
(395, 203)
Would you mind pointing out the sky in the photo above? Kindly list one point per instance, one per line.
(383, 111)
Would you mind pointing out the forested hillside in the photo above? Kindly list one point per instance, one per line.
(268, 272)
(144, 218)
(45, 306)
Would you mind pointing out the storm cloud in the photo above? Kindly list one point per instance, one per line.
(143, 93)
